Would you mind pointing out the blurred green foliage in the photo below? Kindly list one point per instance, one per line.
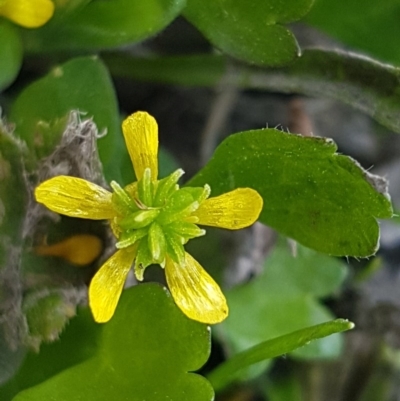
(10, 54)
(285, 297)
(368, 26)
(364, 84)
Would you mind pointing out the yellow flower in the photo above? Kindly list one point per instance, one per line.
(152, 219)
(27, 13)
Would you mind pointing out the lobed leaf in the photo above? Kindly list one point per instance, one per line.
(143, 353)
(250, 30)
(102, 24)
(77, 343)
(323, 200)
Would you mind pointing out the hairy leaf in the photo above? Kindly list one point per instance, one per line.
(81, 84)
(13, 204)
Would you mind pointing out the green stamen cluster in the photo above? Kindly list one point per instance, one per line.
(155, 216)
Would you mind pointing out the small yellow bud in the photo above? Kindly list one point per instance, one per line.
(80, 249)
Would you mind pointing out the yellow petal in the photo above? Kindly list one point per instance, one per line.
(141, 137)
(234, 210)
(80, 249)
(195, 292)
(107, 284)
(28, 13)
(75, 197)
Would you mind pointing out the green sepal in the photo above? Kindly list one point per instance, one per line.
(185, 230)
(145, 188)
(175, 248)
(144, 258)
(199, 194)
(166, 187)
(206, 193)
(130, 237)
(156, 242)
(180, 205)
(139, 219)
(121, 200)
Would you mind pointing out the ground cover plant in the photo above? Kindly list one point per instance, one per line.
(194, 200)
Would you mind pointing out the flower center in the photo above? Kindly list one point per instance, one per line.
(156, 217)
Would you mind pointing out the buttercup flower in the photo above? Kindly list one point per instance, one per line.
(27, 13)
(152, 219)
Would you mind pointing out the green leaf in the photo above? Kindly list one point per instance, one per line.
(282, 299)
(193, 70)
(78, 343)
(250, 31)
(323, 200)
(283, 388)
(81, 84)
(10, 54)
(11, 360)
(358, 81)
(227, 372)
(103, 24)
(144, 353)
(370, 26)
(307, 272)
